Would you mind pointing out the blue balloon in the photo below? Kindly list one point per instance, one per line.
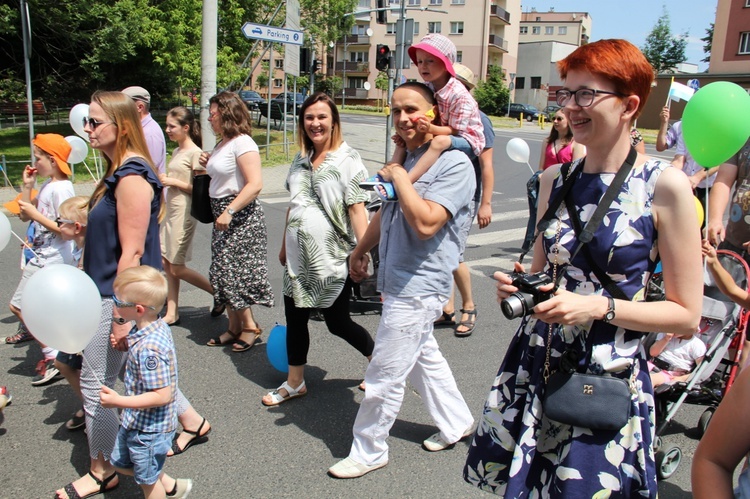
(276, 348)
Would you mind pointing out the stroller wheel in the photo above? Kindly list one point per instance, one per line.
(704, 420)
(668, 462)
(657, 443)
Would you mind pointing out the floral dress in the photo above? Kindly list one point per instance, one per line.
(319, 235)
(517, 451)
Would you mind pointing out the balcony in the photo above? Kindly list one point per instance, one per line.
(352, 67)
(500, 13)
(354, 40)
(499, 43)
(356, 93)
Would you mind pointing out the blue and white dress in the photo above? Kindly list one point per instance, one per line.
(517, 451)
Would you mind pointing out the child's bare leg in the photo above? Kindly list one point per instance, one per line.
(72, 376)
(399, 155)
(438, 144)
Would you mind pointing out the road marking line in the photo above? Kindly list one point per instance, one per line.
(496, 237)
(508, 215)
(494, 264)
(278, 200)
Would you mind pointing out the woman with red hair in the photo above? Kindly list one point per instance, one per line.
(586, 326)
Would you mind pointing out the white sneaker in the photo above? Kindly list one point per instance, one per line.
(349, 468)
(47, 373)
(182, 488)
(436, 443)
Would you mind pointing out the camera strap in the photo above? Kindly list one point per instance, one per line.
(586, 234)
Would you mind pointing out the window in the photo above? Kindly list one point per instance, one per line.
(744, 43)
(436, 2)
(536, 30)
(536, 82)
(416, 28)
(278, 63)
(747, 3)
(414, 2)
(359, 29)
(549, 30)
(359, 56)
(524, 30)
(277, 82)
(390, 29)
(459, 56)
(357, 82)
(434, 27)
(463, 2)
(538, 19)
(520, 82)
(457, 28)
(364, 3)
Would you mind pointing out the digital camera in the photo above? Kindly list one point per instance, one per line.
(522, 302)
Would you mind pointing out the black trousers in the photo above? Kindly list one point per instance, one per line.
(338, 321)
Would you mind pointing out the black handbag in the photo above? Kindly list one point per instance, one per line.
(200, 204)
(598, 402)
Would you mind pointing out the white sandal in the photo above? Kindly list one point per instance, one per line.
(278, 398)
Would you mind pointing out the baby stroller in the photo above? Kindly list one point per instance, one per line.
(723, 328)
(365, 297)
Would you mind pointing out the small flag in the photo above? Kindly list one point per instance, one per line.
(678, 91)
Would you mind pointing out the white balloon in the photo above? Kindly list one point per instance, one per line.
(518, 150)
(77, 113)
(79, 150)
(62, 307)
(4, 231)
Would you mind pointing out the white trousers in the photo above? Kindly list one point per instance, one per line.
(405, 348)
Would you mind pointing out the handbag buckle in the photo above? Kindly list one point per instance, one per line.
(588, 389)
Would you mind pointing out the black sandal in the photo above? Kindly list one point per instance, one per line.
(73, 493)
(197, 439)
(470, 323)
(218, 309)
(216, 342)
(244, 345)
(446, 319)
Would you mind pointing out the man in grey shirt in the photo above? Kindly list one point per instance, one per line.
(420, 242)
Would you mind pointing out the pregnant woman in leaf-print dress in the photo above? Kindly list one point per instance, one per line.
(325, 219)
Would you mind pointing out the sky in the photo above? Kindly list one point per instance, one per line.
(633, 20)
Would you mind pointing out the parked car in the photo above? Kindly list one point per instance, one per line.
(550, 111)
(251, 99)
(292, 101)
(530, 113)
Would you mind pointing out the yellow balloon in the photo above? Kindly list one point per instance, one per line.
(699, 209)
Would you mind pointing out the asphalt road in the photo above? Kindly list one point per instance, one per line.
(285, 451)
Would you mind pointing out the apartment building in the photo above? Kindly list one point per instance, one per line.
(485, 33)
(730, 48)
(544, 39)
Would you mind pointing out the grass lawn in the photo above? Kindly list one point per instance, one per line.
(14, 145)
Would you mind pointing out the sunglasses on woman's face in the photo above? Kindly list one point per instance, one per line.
(557, 118)
(92, 123)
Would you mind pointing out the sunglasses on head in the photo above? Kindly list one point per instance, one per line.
(126, 304)
(92, 123)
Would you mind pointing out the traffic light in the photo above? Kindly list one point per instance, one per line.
(382, 57)
(380, 15)
(316, 65)
(304, 60)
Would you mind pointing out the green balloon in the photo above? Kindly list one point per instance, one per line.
(716, 123)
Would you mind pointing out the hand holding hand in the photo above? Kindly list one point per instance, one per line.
(715, 232)
(118, 339)
(108, 397)
(709, 253)
(358, 265)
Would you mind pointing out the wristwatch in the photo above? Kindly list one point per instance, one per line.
(609, 315)
(119, 320)
(230, 211)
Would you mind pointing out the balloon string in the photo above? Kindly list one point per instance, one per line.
(28, 247)
(530, 168)
(90, 172)
(92, 371)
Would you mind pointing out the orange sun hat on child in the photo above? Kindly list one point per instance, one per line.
(56, 146)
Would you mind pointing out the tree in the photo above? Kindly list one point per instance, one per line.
(663, 50)
(492, 95)
(707, 41)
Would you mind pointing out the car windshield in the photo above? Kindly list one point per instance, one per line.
(249, 95)
(532, 108)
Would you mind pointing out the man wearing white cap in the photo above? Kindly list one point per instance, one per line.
(157, 146)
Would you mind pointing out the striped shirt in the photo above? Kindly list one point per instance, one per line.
(460, 111)
(152, 364)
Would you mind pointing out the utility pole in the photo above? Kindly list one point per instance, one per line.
(26, 30)
(208, 68)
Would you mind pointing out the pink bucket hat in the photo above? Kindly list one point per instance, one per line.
(438, 46)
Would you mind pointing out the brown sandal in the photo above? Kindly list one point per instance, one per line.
(216, 342)
(243, 345)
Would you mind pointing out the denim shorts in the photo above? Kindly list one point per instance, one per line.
(142, 452)
(461, 144)
(72, 360)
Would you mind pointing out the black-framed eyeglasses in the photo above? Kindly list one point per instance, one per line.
(584, 97)
(61, 221)
(126, 304)
(92, 123)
